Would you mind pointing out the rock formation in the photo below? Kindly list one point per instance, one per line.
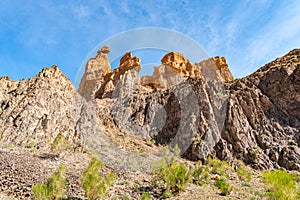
(262, 114)
(219, 65)
(38, 110)
(262, 123)
(174, 68)
(197, 106)
(129, 69)
(95, 68)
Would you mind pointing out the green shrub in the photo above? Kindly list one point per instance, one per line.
(296, 177)
(297, 195)
(54, 187)
(94, 184)
(175, 178)
(126, 197)
(200, 173)
(280, 185)
(146, 196)
(225, 187)
(30, 145)
(9, 145)
(243, 174)
(60, 143)
(168, 157)
(85, 150)
(246, 184)
(219, 167)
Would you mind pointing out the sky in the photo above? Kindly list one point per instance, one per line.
(37, 34)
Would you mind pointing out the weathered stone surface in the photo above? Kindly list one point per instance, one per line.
(179, 107)
(95, 69)
(181, 64)
(223, 69)
(36, 111)
(126, 73)
(174, 69)
(220, 68)
(262, 124)
(261, 121)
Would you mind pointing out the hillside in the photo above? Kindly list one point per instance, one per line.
(133, 124)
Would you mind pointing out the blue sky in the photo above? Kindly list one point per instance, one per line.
(37, 34)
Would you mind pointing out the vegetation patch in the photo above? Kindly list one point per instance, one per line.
(246, 184)
(30, 145)
(280, 185)
(224, 187)
(219, 167)
(146, 196)
(171, 175)
(243, 174)
(54, 188)
(95, 185)
(174, 177)
(200, 174)
(60, 143)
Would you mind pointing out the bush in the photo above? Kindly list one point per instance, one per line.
(94, 184)
(54, 187)
(60, 143)
(126, 197)
(246, 184)
(175, 178)
(219, 167)
(223, 186)
(30, 145)
(199, 173)
(146, 196)
(243, 174)
(280, 185)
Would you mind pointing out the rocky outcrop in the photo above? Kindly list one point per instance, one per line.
(216, 69)
(95, 68)
(262, 123)
(36, 111)
(176, 106)
(181, 64)
(223, 68)
(261, 120)
(174, 69)
(126, 73)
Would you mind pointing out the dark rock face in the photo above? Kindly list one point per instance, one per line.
(261, 121)
(262, 124)
(187, 110)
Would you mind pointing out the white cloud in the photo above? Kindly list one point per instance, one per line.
(80, 11)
